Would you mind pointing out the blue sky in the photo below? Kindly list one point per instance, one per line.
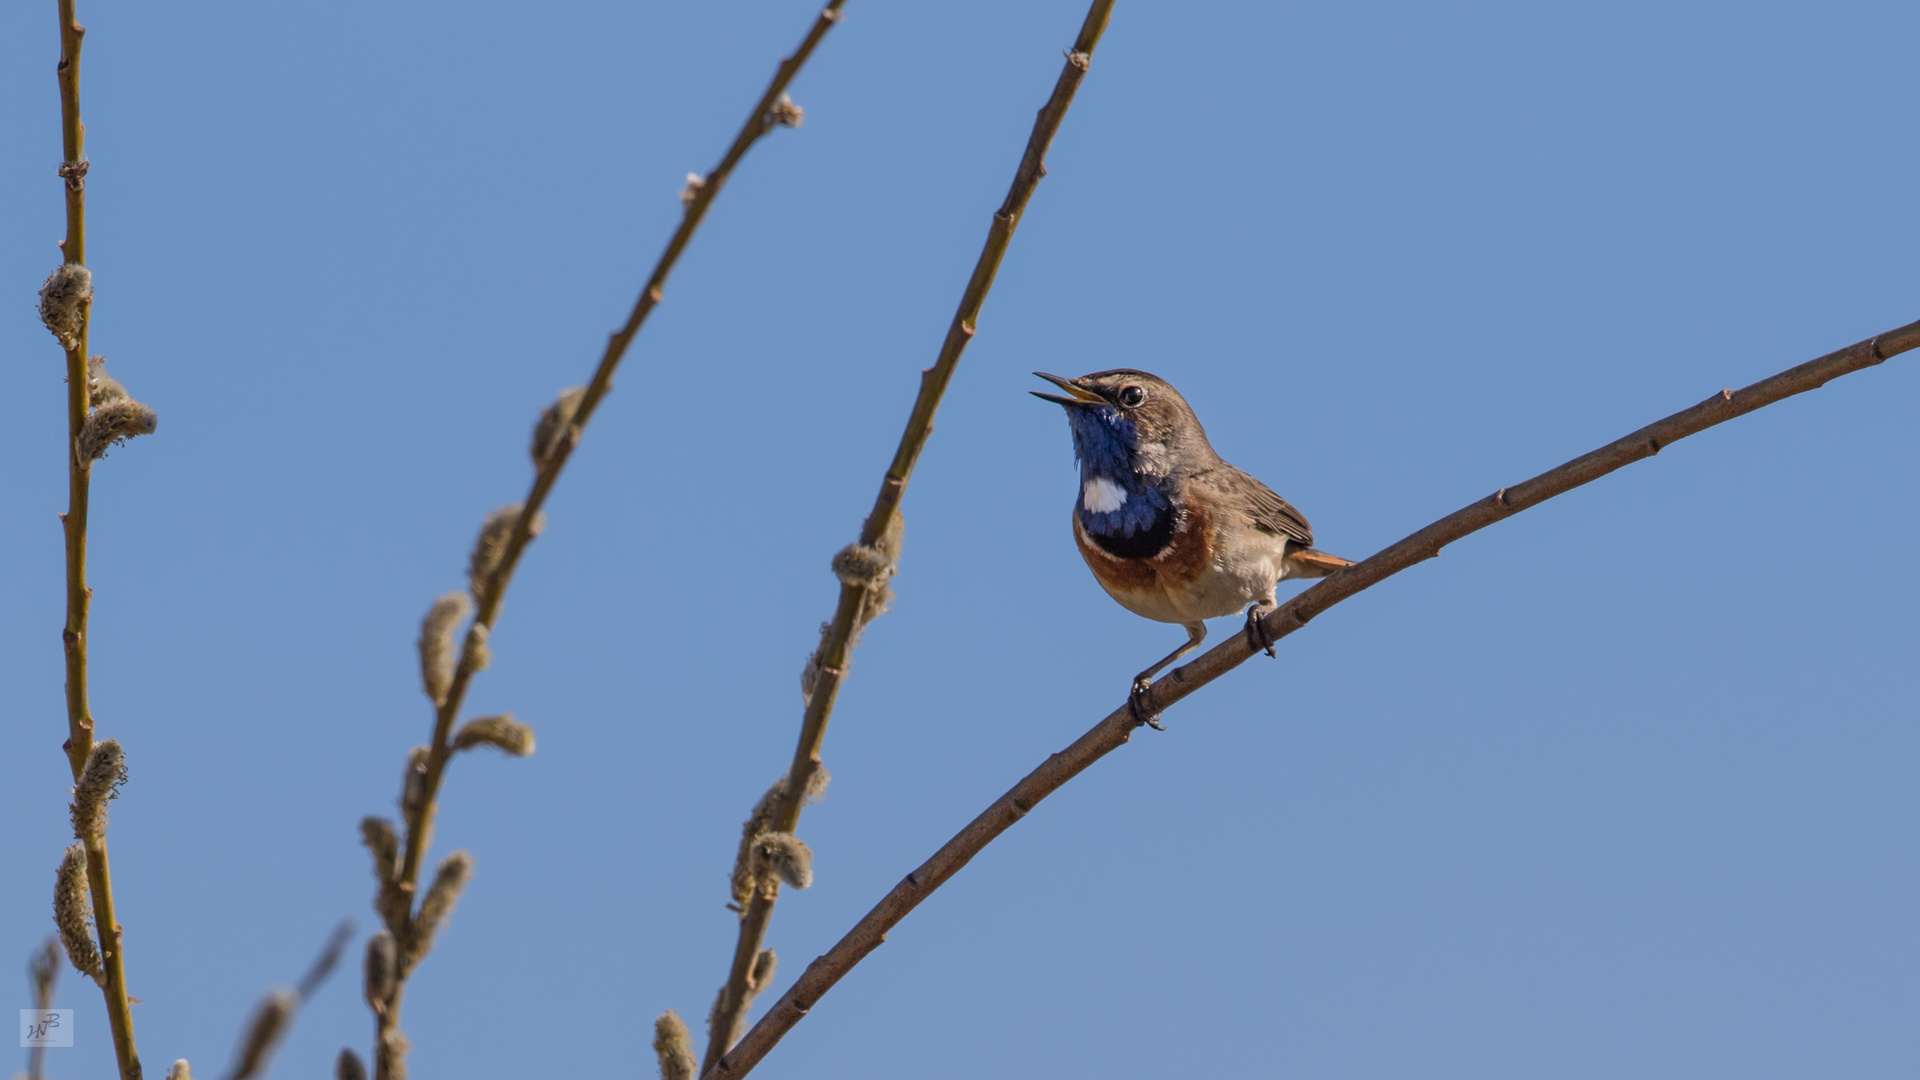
(1623, 786)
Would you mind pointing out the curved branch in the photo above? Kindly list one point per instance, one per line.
(1117, 727)
(849, 616)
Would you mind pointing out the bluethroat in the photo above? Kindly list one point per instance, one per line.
(1169, 529)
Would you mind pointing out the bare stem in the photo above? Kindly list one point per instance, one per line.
(759, 122)
(730, 1012)
(73, 636)
(1117, 727)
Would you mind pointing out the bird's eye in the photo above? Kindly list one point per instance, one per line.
(1131, 396)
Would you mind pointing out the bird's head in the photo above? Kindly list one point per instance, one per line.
(1129, 422)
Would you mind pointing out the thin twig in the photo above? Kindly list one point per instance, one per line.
(43, 974)
(73, 636)
(1117, 728)
(700, 196)
(730, 1011)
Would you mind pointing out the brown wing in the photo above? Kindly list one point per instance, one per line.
(1259, 505)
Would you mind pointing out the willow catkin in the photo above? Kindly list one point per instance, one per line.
(448, 882)
(765, 965)
(112, 424)
(436, 643)
(490, 547)
(63, 301)
(348, 1066)
(73, 914)
(784, 856)
(263, 1032)
(102, 388)
(383, 843)
(501, 732)
(413, 783)
(554, 421)
(673, 1045)
(381, 971)
(99, 784)
(742, 882)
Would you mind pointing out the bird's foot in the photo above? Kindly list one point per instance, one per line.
(1140, 700)
(1257, 637)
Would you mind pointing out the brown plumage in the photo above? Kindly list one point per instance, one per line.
(1171, 530)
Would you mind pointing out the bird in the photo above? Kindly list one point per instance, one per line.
(1171, 530)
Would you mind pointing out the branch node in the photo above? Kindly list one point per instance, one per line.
(785, 114)
(75, 174)
(1653, 445)
(1080, 60)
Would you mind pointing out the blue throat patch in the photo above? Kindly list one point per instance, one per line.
(1103, 442)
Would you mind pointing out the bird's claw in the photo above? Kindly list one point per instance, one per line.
(1140, 700)
(1257, 637)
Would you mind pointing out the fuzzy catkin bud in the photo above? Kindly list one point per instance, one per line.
(761, 821)
(63, 301)
(810, 671)
(448, 882)
(692, 190)
(390, 902)
(180, 1070)
(861, 567)
(381, 969)
(383, 843)
(477, 656)
(263, 1032)
(413, 783)
(99, 784)
(102, 388)
(73, 914)
(114, 423)
(554, 421)
(502, 732)
(348, 1067)
(785, 856)
(673, 1045)
(764, 967)
(786, 113)
(436, 643)
(490, 547)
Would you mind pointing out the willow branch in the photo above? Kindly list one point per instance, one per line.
(759, 122)
(1117, 727)
(848, 614)
(73, 636)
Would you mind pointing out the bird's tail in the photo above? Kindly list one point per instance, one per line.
(1312, 562)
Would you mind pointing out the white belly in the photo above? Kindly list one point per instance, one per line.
(1244, 569)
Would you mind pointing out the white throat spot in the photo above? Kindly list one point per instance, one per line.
(1102, 495)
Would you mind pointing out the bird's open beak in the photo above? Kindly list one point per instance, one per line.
(1080, 397)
